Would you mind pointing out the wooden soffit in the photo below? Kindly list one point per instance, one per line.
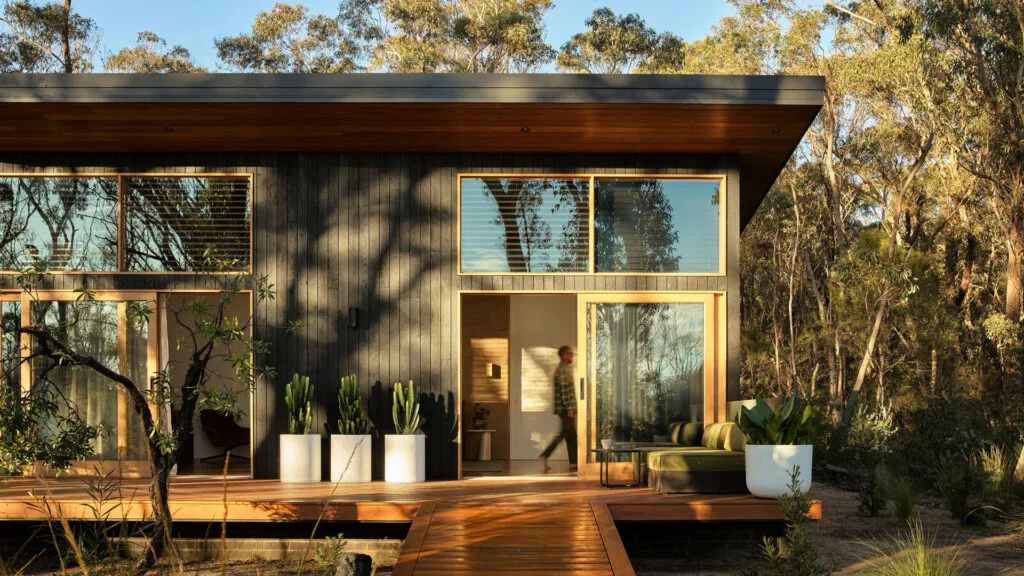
(761, 119)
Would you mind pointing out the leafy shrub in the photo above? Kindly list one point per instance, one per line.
(326, 555)
(903, 495)
(786, 426)
(961, 483)
(913, 553)
(872, 492)
(801, 556)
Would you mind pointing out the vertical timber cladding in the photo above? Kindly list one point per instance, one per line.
(377, 232)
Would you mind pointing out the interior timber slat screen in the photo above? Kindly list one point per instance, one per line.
(194, 224)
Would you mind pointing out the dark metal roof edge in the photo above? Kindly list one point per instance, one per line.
(353, 88)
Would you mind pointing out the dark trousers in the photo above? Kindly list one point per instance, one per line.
(568, 433)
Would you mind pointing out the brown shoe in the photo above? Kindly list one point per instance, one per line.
(544, 462)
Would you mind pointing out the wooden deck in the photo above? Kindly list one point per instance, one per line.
(480, 526)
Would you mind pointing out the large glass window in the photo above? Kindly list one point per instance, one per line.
(657, 225)
(525, 225)
(187, 224)
(130, 223)
(67, 223)
(596, 224)
(10, 345)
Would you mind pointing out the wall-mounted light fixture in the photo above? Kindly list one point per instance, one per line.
(493, 371)
(353, 317)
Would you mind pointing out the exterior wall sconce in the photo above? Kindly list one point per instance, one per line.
(353, 317)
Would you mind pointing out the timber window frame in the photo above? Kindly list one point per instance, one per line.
(122, 215)
(591, 236)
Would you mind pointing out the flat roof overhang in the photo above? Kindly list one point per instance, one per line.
(761, 119)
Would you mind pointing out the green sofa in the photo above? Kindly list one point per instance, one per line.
(711, 460)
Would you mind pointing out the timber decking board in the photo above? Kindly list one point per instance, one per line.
(466, 537)
(202, 498)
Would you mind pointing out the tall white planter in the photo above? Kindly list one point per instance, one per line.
(769, 468)
(299, 456)
(358, 448)
(405, 458)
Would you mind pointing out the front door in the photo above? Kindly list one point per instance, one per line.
(646, 360)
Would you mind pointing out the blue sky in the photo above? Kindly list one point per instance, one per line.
(194, 23)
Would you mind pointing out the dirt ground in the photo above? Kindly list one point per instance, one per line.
(847, 537)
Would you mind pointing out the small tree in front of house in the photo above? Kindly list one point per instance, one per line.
(39, 423)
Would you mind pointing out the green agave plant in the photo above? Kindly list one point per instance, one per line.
(766, 427)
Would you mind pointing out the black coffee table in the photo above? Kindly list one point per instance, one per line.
(604, 457)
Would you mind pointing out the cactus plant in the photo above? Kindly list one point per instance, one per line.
(298, 395)
(405, 410)
(351, 418)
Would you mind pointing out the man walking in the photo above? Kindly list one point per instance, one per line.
(565, 408)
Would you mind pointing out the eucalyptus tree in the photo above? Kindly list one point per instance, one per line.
(489, 36)
(287, 38)
(611, 44)
(150, 54)
(46, 37)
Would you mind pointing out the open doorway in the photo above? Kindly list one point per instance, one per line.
(509, 349)
(214, 434)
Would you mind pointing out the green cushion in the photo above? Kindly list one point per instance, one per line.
(691, 434)
(711, 436)
(674, 430)
(696, 460)
(732, 438)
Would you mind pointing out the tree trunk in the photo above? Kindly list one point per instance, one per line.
(865, 361)
(161, 527)
(1014, 290)
(65, 39)
(934, 380)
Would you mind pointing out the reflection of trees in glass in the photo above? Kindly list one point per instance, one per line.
(10, 346)
(89, 328)
(70, 223)
(174, 223)
(633, 226)
(649, 368)
(539, 224)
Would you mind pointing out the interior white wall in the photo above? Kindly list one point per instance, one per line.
(539, 325)
(219, 365)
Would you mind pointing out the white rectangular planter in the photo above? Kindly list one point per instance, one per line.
(300, 457)
(405, 458)
(358, 448)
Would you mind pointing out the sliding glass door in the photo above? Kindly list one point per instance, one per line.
(103, 328)
(646, 361)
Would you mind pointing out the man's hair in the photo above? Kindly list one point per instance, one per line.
(564, 350)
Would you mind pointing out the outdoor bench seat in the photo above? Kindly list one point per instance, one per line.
(718, 465)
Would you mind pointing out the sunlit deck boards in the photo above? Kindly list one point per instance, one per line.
(466, 538)
(206, 499)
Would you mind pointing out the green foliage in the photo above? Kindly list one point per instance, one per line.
(790, 425)
(904, 496)
(962, 485)
(872, 491)
(352, 419)
(151, 55)
(618, 45)
(298, 396)
(288, 39)
(327, 553)
(913, 553)
(801, 556)
(405, 409)
(32, 33)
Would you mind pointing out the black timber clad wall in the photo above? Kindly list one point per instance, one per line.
(377, 232)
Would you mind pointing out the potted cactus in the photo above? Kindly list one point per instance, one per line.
(300, 450)
(405, 451)
(351, 452)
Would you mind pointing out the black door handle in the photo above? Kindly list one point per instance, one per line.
(583, 388)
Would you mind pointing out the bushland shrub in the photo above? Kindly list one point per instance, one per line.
(962, 485)
(801, 556)
(903, 495)
(913, 553)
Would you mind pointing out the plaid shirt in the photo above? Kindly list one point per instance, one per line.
(565, 390)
